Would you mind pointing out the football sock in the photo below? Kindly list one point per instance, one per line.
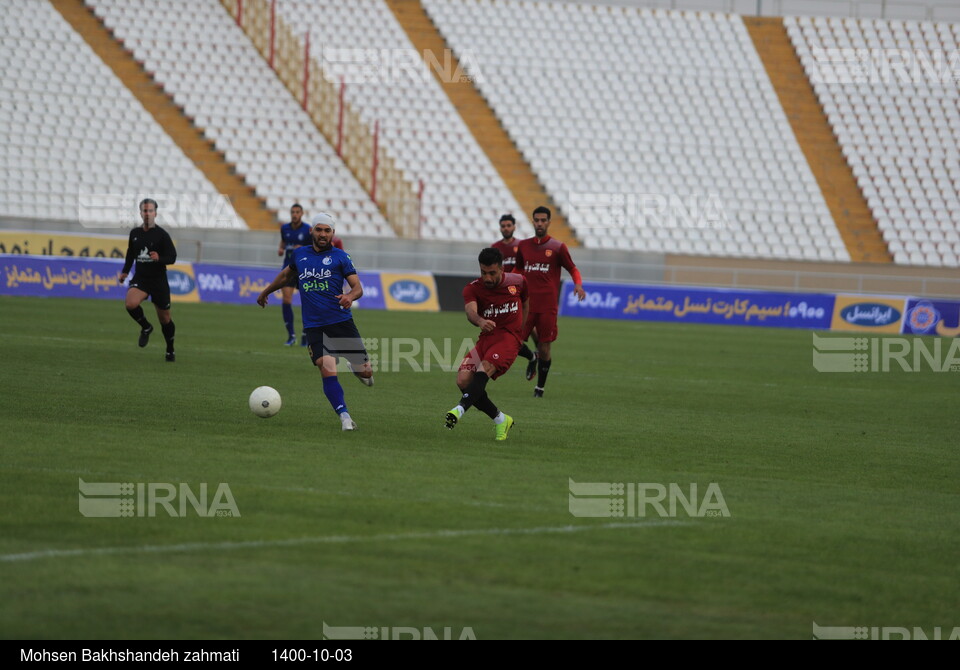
(485, 405)
(168, 330)
(475, 390)
(137, 315)
(288, 318)
(334, 393)
(543, 367)
(499, 418)
(525, 352)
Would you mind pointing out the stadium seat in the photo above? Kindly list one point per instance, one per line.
(657, 121)
(208, 87)
(59, 110)
(911, 123)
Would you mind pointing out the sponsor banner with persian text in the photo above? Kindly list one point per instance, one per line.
(932, 317)
(699, 305)
(410, 291)
(868, 314)
(183, 284)
(66, 277)
(230, 283)
(60, 277)
(235, 284)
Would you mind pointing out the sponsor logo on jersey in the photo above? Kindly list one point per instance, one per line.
(309, 273)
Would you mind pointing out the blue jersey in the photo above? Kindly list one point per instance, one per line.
(292, 237)
(320, 278)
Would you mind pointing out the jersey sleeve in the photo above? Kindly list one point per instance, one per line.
(293, 263)
(168, 254)
(524, 294)
(468, 294)
(566, 260)
(128, 261)
(346, 265)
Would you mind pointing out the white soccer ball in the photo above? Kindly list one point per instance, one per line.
(264, 401)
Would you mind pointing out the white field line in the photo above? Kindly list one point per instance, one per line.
(326, 539)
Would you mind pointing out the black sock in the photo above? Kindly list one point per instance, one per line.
(475, 390)
(485, 405)
(525, 352)
(543, 367)
(137, 315)
(168, 330)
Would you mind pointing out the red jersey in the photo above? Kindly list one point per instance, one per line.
(509, 252)
(540, 260)
(503, 305)
(337, 242)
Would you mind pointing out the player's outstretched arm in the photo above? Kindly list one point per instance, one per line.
(284, 278)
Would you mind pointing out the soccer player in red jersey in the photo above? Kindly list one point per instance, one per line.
(539, 260)
(497, 303)
(508, 247)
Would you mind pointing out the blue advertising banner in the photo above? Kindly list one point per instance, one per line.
(61, 276)
(69, 277)
(932, 317)
(699, 305)
(230, 283)
(235, 284)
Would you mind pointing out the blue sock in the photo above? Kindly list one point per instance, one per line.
(334, 393)
(288, 318)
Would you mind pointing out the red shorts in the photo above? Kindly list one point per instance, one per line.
(499, 349)
(545, 323)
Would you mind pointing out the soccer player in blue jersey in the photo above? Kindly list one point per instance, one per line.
(319, 272)
(293, 235)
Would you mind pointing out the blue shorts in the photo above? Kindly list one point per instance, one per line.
(340, 340)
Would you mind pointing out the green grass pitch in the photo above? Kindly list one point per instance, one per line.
(842, 489)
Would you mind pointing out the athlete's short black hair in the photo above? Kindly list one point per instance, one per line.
(490, 256)
(542, 210)
(148, 201)
(508, 217)
(296, 204)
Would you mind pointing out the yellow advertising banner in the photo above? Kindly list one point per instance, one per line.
(62, 244)
(868, 314)
(183, 283)
(410, 291)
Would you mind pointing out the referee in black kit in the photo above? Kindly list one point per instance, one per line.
(151, 247)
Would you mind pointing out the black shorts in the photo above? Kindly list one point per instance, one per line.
(158, 289)
(341, 340)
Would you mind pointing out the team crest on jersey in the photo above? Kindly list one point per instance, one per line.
(327, 260)
(515, 249)
(512, 290)
(549, 253)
